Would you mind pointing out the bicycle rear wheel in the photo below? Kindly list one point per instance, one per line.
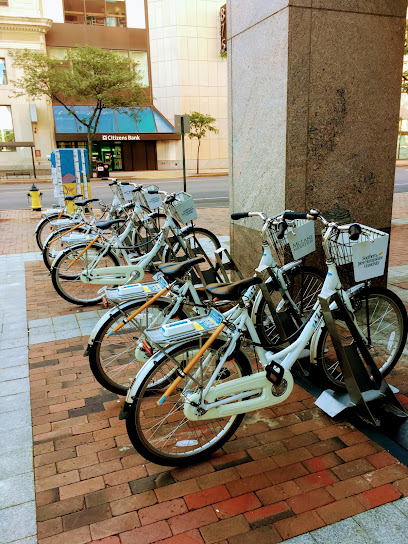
(44, 228)
(68, 266)
(387, 330)
(52, 248)
(162, 434)
(112, 359)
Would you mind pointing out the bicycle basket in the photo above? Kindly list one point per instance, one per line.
(152, 201)
(285, 248)
(183, 208)
(368, 254)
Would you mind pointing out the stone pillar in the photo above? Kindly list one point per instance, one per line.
(314, 91)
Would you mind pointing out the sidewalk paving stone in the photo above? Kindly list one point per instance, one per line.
(18, 522)
(16, 489)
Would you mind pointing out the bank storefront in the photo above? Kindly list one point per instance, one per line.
(124, 140)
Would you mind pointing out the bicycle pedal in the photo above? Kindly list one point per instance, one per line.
(274, 373)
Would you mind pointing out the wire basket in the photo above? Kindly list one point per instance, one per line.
(183, 209)
(341, 247)
(281, 246)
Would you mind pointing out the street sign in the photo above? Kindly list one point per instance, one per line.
(186, 123)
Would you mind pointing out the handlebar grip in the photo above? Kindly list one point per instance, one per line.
(152, 192)
(282, 229)
(239, 215)
(124, 183)
(295, 215)
(354, 231)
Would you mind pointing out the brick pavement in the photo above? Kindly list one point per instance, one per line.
(287, 471)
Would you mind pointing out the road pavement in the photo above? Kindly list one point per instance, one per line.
(208, 192)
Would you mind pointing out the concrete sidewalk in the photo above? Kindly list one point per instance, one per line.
(290, 474)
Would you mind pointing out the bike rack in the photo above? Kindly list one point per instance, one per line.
(363, 385)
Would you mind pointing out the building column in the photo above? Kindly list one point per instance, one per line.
(314, 93)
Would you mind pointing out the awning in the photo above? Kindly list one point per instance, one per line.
(146, 122)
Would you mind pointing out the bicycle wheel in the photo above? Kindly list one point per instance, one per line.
(200, 242)
(67, 281)
(163, 434)
(387, 326)
(144, 234)
(304, 286)
(112, 359)
(52, 248)
(44, 228)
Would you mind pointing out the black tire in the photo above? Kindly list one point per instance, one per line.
(206, 437)
(304, 285)
(145, 233)
(50, 247)
(201, 242)
(119, 348)
(68, 283)
(385, 351)
(44, 228)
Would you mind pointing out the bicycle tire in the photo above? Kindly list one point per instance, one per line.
(205, 437)
(202, 242)
(120, 347)
(304, 285)
(143, 238)
(385, 351)
(41, 234)
(62, 280)
(48, 257)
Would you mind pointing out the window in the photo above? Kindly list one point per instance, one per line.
(141, 58)
(3, 76)
(6, 127)
(95, 12)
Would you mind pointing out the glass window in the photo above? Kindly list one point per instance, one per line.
(6, 127)
(126, 121)
(141, 58)
(161, 124)
(64, 122)
(57, 52)
(145, 120)
(115, 13)
(74, 11)
(95, 12)
(107, 121)
(3, 76)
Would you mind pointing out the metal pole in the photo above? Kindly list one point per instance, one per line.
(184, 156)
(32, 156)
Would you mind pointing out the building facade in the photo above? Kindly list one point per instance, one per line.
(177, 46)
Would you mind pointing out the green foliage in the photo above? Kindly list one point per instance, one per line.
(96, 76)
(404, 83)
(223, 54)
(199, 125)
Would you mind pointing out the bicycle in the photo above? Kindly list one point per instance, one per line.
(191, 396)
(117, 347)
(79, 270)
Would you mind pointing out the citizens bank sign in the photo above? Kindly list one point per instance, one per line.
(123, 137)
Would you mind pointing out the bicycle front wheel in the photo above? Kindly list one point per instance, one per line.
(45, 228)
(52, 247)
(68, 266)
(112, 359)
(385, 329)
(163, 434)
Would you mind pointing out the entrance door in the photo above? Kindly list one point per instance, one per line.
(144, 155)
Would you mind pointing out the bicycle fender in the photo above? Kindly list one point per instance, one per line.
(314, 342)
(43, 220)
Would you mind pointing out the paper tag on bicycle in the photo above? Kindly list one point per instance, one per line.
(369, 258)
(153, 201)
(127, 191)
(186, 210)
(302, 240)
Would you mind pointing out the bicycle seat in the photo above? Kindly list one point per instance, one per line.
(231, 291)
(108, 224)
(175, 270)
(85, 202)
(72, 197)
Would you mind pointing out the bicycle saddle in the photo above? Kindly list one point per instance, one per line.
(85, 202)
(108, 224)
(72, 197)
(175, 270)
(231, 291)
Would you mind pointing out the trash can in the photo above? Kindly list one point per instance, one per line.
(102, 169)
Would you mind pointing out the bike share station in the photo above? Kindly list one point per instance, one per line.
(70, 174)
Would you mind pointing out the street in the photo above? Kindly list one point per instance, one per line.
(208, 192)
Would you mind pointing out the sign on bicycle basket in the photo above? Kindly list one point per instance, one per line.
(154, 201)
(302, 240)
(369, 258)
(185, 209)
(127, 192)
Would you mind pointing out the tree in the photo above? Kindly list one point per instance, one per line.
(404, 83)
(88, 75)
(199, 124)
